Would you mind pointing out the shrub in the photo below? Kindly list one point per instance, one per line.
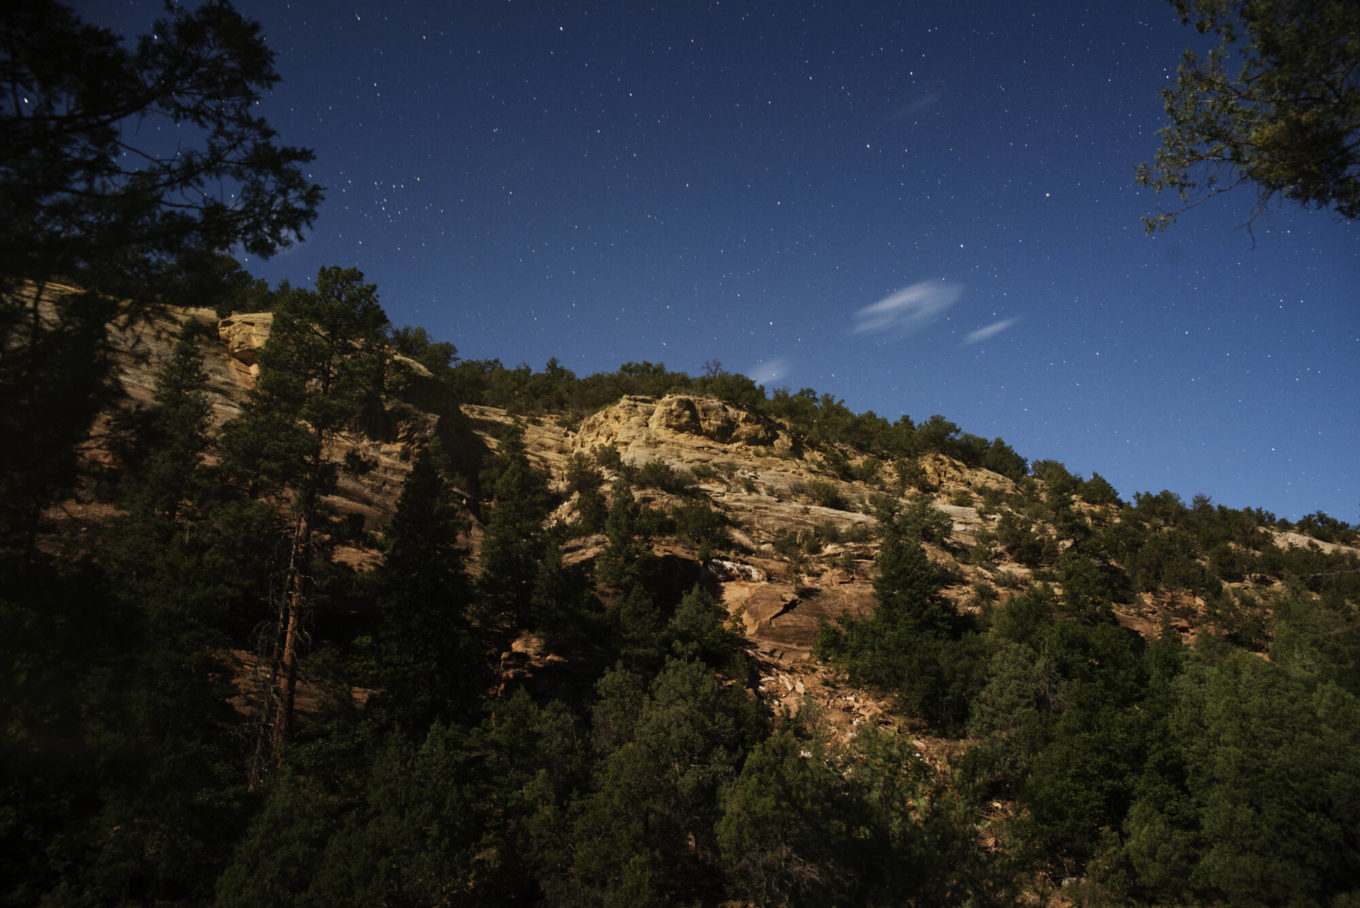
(704, 471)
(820, 492)
(657, 474)
(866, 470)
(607, 456)
(1098, 491)
(1017, 536)
(787, 545)
(930, 523)
(911, 475)
(836, 463)
(992, 499)
(858, 532)
(828, 532)
(701, 525)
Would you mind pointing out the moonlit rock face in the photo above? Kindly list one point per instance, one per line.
(245, 334)
(678, 427)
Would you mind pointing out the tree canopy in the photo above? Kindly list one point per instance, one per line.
(1275, 105)
(111, 154)
(117, 165)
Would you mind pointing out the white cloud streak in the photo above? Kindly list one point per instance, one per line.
(769, 370)
(991, 330)
(924, 102)
(906, 310)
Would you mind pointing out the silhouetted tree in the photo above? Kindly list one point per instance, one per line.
(1275, 105)
(514, 538)
(423, 596)
(81, 198)
(322, 371)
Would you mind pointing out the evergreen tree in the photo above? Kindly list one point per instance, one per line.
(911, 643)
(149, 723)
(1087, 593)
(649, 823)
(789, 826)
(1276, 105)
(54, 378)
(908, 587)
(513, 543)
(561, 599)
(322, 373)
(175, 802)
(584, 481)
(64, 639)
(81, 200)
(624, 562)
(1272, 765)
(698, 632)
(163, 472)
(423, 595)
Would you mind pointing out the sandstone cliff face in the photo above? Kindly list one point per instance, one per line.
(415, 409)
(768, 486)
(245, 334)
(752, 469)
(681, 429)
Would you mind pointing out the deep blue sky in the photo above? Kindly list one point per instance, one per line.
(919, 208)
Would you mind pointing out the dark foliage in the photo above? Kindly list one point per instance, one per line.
(82, 195)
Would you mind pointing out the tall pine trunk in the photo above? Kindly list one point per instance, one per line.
(285, 675)
(284, 650)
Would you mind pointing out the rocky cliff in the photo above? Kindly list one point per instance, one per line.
(774, 491)
(415, 409)
(752, 469)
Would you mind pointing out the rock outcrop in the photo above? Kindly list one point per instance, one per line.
(245, 333)
(803, 542)
(415, 409)
(678, 428)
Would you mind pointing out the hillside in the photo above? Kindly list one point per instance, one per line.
(300, 608)
(678, 648)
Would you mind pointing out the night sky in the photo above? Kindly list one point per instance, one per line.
(918, 208)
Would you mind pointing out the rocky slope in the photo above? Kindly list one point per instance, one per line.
(752, 469)
(416, 409)
(769, 486)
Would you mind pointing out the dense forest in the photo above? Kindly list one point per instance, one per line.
(219, 687)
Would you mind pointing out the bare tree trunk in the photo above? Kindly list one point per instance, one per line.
(285, 679)
(278, 659)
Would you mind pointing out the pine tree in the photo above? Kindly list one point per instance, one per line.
(911, 642)
(1275, 106)
(322, 373)
(83, 197)
(513, 544)
(423, 594)
(623, 564)
(135, 699)
(164, 475)
(908, 586)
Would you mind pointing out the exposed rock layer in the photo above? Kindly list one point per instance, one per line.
(753, 469)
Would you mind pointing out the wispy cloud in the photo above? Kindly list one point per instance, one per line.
(907, 309)
(924, 102)
(769, 370)
(991, 330)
